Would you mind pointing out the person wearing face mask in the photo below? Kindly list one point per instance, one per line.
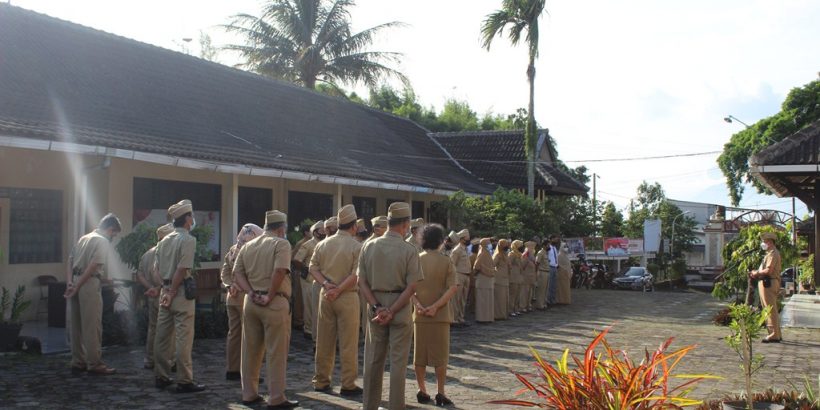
(552, 282)
(234, 301)
(86, 272)
(768, 285)
(484, 284)
(261, 272)
(464, 269)
(564, 276)
(379, 227)
(148, 278)
(175, 322)
(301, 261)
(528, 274)
(331, 225)
(449, 243)
(501, 290)
(415, 238)
(515, 278)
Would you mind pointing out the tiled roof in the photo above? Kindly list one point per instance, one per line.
(499, 157)
(800, 149)
(63, 81)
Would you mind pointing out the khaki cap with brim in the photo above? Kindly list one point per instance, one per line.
(164, 230)
(453, 236)
(463, 234)
(275, 216)
(347, 214)
(380, 221)
(180, 208)
(332, 222)
(417, 223)
(771, 236)
(398, 210)
(475, 241)
(360, 225)
(317, 226)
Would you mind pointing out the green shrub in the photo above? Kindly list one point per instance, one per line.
(807, 271)
(653, 268)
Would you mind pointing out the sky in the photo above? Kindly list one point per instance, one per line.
(614, 80)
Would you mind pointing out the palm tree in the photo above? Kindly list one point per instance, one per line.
(310, 41)
(521, 16)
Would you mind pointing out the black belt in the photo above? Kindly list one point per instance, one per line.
(265, 292)
(390, 291)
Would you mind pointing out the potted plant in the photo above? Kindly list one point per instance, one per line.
(10, 329)
(745, 329)
(806, 277)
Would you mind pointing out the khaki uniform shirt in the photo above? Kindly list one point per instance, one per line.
(515, 268)
(259, 259)
(92, 248)
(412, 241)
(175, 251)
(484, 264)
(299, 244)
(305, 254)
(772, 261)
(502, 268)
(439, 277)
(543, 261)
(389, 263)
(146, 267)
(460, 260)
(337, 258)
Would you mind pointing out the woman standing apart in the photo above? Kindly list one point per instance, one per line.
(234, 301)
(564, 276)
(501, 291)
(432, 315)
(484, 284)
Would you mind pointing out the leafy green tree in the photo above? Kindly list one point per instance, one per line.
(801, 108)
(521, 17)
(611, 221)
(651, 203)
(456, 116)
(310, 41)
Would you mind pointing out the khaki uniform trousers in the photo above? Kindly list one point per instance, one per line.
(86, 325)
(541, 286)
(298, 310)
(363, 315)
(500, 304)
(265, 334)
(396, 338)
(153, 312)
(515, 293)
(525, 296)
(315, 294)
(769, 297)
(338, 320)
(233, 342)
(309, 315)
(460, 298)
(175, 329)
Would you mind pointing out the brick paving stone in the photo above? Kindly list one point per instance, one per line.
(481, 359)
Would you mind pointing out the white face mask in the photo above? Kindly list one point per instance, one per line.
(193, 223)
(764, 246)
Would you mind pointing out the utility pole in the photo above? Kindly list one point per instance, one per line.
(594, 205)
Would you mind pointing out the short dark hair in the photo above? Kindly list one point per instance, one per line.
(305, 228)
(110, 221)
(432, 236)
(274, 226)
(554, 236)
(180, 222)
(344, 227)
(397, 221)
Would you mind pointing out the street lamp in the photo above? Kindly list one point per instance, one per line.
(732, 117)
(672, 242)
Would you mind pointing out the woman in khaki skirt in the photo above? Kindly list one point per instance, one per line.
(528, 273)
(484, 284)
(515, 278)
(564, 276)
(501, 291)
(432, 316)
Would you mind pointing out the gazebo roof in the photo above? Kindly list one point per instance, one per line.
(791, 167)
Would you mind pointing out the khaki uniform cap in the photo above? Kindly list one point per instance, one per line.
(164, 230)
(463, 234)
(275, 217)
(347, 214)
(768, 236)
(398, 210)
(380, 221)
(453, 236)
(332, 222)
(417, 223)
(317, 226)
(475, 241)
(180, 208)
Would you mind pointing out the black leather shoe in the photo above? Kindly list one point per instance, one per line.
(257, 400)
(442, 400)
(287, 404)
(767, 340)
(190, 388)
(356, 391)
(325, 389)
(233, 376)
(161, 382)
(423, 397)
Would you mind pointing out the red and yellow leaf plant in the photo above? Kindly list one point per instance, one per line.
(609, 380)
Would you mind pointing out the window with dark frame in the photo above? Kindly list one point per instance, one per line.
(253, 204)
(35, 225)
(365, 207)
(308, 205)
(418, 210)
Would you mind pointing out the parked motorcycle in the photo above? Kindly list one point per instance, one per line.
(580, 274)
(599, 276)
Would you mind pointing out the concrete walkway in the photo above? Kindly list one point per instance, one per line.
(481, 359)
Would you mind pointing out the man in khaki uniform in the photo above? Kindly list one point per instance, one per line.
(334, 266)
(297, 313)
(361, 231)
(542, 275)
(331, 225)
(388, 271)
(150, 280)
(83, 278)
(464, 269)
(415, 233)
(379, 227)
(769, 272)
(174, 261)
(301, 261)
(261, 271)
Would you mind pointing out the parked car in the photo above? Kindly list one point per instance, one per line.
(635, 278)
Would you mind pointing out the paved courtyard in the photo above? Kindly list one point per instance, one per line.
(481, 358)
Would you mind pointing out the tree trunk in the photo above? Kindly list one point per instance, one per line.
(530, 132)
